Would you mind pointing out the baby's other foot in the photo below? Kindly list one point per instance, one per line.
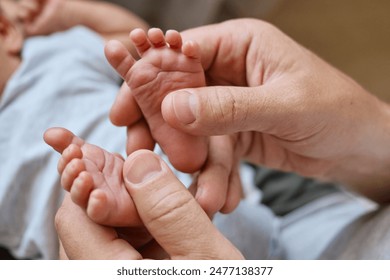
(166, 65)
(94, 179)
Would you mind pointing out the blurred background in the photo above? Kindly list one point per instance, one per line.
(353, 35)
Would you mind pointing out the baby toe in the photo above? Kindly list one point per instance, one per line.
(98, 208)
(156, 37)
(71, 152)
(174, 39)
(81, 189)
(191, 49)
(71, 172)
(140, 40)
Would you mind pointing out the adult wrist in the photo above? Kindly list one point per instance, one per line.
(368, 170)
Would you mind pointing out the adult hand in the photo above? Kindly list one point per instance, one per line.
(284, 107)
(175, 225)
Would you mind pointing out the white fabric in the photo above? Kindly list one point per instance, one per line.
(65, 81)
(305, 233)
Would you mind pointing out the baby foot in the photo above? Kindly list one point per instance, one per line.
(94, 179)
(166, 65)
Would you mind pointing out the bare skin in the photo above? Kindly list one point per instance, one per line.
(166, 65)
(93, 177)
(101, 183)
(11, 42)
(26, 18)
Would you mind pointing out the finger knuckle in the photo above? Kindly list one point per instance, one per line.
(169, 208)
(223, 106)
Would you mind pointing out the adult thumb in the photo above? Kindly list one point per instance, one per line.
(170, 213)
(218, 110)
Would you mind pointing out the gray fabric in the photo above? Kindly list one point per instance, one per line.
(64, 80)
(253, 229)
(284, 192)
(304, 233)
(367, 238)
(307, 231)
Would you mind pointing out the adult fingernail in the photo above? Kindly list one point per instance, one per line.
(143, 168)
(184, 104)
